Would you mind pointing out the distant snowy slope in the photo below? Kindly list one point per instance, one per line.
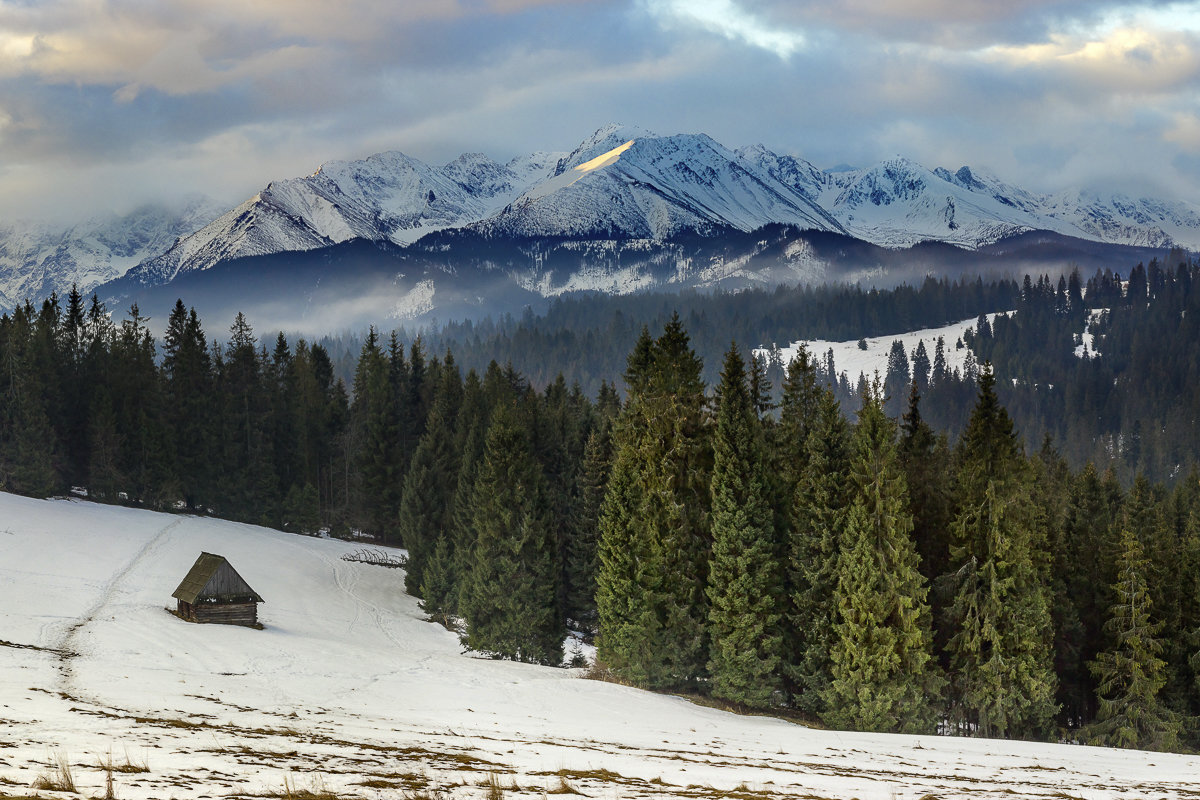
(853, 360)
(620, 186)
(348, 691)
(899, 202)
(385, 197)
(624, 182)
(37, 258)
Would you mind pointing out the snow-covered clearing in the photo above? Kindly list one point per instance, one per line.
(1087, 339)
(348, 690)
(851, 359)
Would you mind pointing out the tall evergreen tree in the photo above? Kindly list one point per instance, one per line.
(654, 537)
(427, 498)
(509, 600)
(374, 441)
(1003, 684)
(819, 517)
(744, 571)
(1131, 674)
(583, 557)
(883, 678)
(189, 379)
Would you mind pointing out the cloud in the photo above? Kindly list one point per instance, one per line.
(129, 99)
(728, 19)
(1120, 61)
(1185, 132)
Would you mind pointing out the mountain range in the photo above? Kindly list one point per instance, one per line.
(626, 210)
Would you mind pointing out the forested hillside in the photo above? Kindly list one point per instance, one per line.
(748, 538)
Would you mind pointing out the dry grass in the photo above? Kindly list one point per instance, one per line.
(563, 787)
(426, 794)
(494, 791)
(58, 778)
(316, 790)
(129, 767)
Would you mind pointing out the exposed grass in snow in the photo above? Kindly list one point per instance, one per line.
(58, 778)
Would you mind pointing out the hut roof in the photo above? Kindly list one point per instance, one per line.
(212, 578)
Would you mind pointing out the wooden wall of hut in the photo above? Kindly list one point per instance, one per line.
(220, 613)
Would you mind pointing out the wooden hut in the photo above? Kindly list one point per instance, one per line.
(213, 591)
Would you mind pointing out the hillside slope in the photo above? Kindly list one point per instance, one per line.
(348, 690)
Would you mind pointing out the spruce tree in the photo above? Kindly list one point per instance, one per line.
(654, 532)
(583, 556)
(374, 443)
(1003, 684)
(926, 462)
(744, 573)
(509, 599)
(189, 381)
(426, 500)
(1085, 565)
(819, 517)
(1131, 673)
(883, 677)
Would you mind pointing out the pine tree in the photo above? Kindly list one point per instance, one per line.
(818, 519)
(1003, 684)
(189, 379)
(148, 454)
(654, 537)
(509, 600)
(249, 484)
(883, 677)
(426, 500)
(1086, 564)
(374, 440)
(1131, 674)
(583, 556)
(897, 380)
(744, 573)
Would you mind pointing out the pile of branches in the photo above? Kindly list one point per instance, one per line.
(379, 558)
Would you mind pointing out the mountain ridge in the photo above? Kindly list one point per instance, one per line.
(621, 190)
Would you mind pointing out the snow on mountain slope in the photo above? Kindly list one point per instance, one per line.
(790, 170)
(619, 183)
(898, 203)
(348, 691)
(624, 182)
(37, 259)
(1121, 219)
(385, 197)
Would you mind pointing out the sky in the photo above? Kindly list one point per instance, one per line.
(106, 104)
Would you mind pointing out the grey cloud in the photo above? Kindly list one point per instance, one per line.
(274, 98)
(954, 24)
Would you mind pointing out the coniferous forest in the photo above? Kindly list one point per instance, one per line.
(893, 555)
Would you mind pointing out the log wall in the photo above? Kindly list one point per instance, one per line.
(221, 613)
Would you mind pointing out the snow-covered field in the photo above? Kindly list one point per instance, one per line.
(853, 360)
(348, 691)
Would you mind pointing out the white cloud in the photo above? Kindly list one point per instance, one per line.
(726, 18)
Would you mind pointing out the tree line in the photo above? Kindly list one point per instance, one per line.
(752, 544)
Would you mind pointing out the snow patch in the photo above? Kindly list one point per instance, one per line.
(416, 301)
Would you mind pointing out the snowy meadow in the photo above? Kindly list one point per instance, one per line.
(349, 692)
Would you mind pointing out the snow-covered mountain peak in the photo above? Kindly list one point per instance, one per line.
(602, 141)
(894, 180)
(479, 175)
(963, 177)
(790, 170)
(617, 185)
(620, 183)
(38, 258)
